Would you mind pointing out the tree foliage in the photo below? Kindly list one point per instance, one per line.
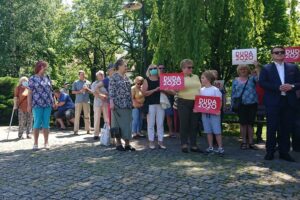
(92, 33)
(207, 31)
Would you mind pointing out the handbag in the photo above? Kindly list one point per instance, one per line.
(237, 101)
(164, 101)
(105, 135)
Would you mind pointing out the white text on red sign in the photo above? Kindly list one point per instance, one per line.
(172, 81)
(208, 104)
(292, 53)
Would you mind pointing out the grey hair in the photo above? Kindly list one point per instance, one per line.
(100, 72)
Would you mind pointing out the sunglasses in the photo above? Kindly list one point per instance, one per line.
(279, 52)
(139, 83)
(161, 68)
(152, 69)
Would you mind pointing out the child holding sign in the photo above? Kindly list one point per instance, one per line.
(211, 122)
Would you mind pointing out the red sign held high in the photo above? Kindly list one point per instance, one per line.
(292, 54)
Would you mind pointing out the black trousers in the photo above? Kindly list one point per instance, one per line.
(260, 117)
(189, 122)
(280, 120)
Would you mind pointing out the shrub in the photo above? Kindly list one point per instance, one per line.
(7, 85)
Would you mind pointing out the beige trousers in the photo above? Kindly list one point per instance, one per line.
(97, 116)
(86, 112)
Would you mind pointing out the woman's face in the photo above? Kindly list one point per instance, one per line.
(123, 68)
(43, 70)
(100, 77)
(139, 84)
(187, 69)
(153, 71)
(24, 83)
(243, 72)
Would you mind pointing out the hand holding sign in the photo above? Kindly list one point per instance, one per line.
(172, 81)
(209, 105)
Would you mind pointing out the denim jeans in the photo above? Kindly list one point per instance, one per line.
(136, 120)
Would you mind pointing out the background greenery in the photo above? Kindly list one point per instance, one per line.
(90, 34)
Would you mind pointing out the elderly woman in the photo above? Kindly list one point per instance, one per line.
(138, 100)
(121, 104)
(189, 120)
(40, 102)
(156, 113)
(244, 86)
(20, 103)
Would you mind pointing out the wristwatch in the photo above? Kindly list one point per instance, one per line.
(293, 86)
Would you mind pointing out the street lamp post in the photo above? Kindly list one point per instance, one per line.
(133, 6)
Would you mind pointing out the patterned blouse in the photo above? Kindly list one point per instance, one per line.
(41, 91)
(120, 91)
(249, 95)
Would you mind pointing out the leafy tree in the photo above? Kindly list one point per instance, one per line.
(25, 26)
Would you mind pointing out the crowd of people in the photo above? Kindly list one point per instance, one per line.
(124, 106)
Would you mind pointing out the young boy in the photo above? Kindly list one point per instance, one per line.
(211, 122)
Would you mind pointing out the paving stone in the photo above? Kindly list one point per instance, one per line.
(78, 168)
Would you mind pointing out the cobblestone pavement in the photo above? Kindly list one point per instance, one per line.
(76, 167)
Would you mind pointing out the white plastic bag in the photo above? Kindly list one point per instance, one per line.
(105, 135)
(164, 101)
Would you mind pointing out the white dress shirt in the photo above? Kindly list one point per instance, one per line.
(280, 70)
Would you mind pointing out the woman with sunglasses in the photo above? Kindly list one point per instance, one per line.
(138, 100)
(156, 113)
(187, 117)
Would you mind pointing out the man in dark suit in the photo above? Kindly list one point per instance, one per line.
(280, 81)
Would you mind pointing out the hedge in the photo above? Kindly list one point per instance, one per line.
(7, 85)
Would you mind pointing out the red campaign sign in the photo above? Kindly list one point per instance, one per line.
(292, 54)
(171, 81)
(206, 104)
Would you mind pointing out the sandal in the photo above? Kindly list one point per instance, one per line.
(244, 146)
(253, 147)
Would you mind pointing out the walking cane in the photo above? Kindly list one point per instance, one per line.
(11, 118)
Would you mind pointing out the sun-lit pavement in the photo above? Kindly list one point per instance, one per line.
(76, 167)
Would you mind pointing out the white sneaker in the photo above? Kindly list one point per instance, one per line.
(151, 145)
(35, 147)
(161, 146)
(209, 150)
(46, 146)
(220, 151)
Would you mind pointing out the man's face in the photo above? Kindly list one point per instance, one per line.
(81, 76)
(111, 71)
(278, 54)
(161, 68)
(57, 94)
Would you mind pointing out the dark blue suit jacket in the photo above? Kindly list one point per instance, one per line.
(270, 81)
